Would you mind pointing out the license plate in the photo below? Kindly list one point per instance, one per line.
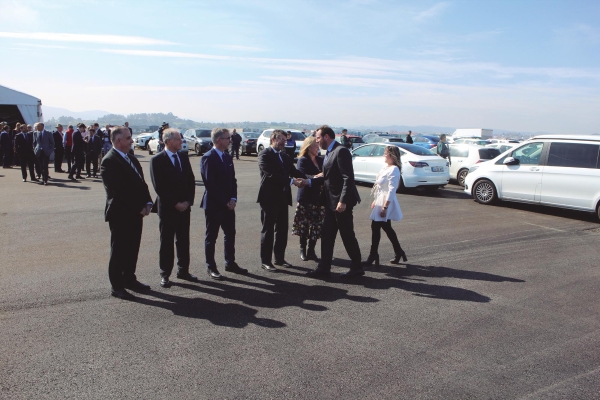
(437, 169)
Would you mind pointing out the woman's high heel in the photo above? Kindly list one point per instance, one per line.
(372, 258)
(396, 259)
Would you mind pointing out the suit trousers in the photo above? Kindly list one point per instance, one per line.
(78, 160)
(215, 219)
(125, 238)
(344, 222)
(69, 158)
(43, 161)
(58, 159)
(27, 161)
(6, 156)
(274, 218)
(174, 226)
(91, 160)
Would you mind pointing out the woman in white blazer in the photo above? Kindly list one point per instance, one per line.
(385, 207)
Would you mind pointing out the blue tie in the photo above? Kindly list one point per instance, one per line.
(177, 164)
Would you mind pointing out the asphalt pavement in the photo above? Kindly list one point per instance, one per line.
(494, 302)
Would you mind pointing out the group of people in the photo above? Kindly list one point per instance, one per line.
(326, 197)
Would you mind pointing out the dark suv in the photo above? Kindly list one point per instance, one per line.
(199, 140)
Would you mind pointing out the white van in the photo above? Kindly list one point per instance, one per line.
(553, 170)
(264, 140)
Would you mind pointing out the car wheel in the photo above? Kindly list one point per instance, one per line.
(484, 192)
(260, 148)
(598, 210)
(401, 187)
(460, 177)
(198, 149)
(150, 150)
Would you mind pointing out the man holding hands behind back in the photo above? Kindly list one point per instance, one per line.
(128, 201)
(175, 185)
(275, 196)
(219, 201)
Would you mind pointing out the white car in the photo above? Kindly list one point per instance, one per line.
(141, 140)
(477, 142)
(153, 144)
(420, 167)
(264, 140)
(464, 156)
(502, 146)
(552, 170)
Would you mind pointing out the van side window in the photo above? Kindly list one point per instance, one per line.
(529, 154)
(574, 155)
(459, 151)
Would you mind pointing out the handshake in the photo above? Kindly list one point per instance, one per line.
(300, 183)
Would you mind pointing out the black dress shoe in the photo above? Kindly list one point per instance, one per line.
(122, 294)
(165, 282)
(319, 273)
(187, 277)
(214, 273)
(353, 273)
(24, 180)
(137, 286)
(283, 263)
(236, 269)
(79, 177)
(35, 180)
(45, 183)
(268, 267)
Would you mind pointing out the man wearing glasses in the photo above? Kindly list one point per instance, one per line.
(218, 202)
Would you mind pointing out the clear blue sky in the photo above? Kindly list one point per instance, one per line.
(518, 65)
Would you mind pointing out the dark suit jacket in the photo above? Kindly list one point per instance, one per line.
(24, 143)
(58, 141)
(5, 141)
(93, 145)
(338, 177)
(219, 180)
(126, 193)
(309, 194)
(275, 177)
(171, 187)
(79, 144)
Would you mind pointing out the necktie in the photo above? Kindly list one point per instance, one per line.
(177, 164)
(133, 166)
(326, 156)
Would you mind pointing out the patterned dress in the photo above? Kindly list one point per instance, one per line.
(310, 213)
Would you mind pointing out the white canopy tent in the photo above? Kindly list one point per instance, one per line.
(17, 106)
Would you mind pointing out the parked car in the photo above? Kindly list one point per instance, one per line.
(153, 144)
(141, 140)
(356, 140)
(420, 167)
(249, 142)
(502, 147)
(553, 170)
(199, 140)
(370, 138)
(388, 139)
(426, 141)
(478, 142)
(264, 140)
(464, 156)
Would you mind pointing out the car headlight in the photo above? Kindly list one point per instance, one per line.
(473, 168)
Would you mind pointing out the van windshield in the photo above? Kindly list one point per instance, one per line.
(488, 154)
(202, 133)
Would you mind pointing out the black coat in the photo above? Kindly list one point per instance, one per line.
(58, 141)
(24, 143)
(338, 178)
(219, 180)
(309, 194)
(275, 177)
(126, 193)
(171, 187)
(79, 144)
(94, 145)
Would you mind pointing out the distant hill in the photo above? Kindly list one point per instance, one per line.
(55, 112)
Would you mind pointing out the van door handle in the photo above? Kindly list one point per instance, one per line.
(534, 169)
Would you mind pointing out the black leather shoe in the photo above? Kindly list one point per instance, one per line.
(71, 177)
(319, 273)
(35, 180)
(214, 273)
(188, 277)
(353, 273)
(24, 180)
(79, 177)
(165, 282)
(396, 259)
(122, 294)
(236, 269)
(303, 255)
(283, 263)
(268, 267)
(137, 286)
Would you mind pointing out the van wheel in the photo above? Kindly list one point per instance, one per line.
(484, 192)
(598, 210)
(198, 150)
(260, 148)
(460, 177)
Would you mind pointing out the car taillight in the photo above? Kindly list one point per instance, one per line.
(432, 145)
(478, 161)
(418, 164)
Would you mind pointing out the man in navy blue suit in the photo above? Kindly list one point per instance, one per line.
(219, 201)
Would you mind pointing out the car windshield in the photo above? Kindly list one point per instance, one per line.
(432, 138)
(488, 153)
(298, 136)
(418, 150)
(202, 133)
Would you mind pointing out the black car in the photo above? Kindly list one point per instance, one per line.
(249, 142)
(199, 140)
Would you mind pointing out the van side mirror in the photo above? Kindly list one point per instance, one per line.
(511, 161)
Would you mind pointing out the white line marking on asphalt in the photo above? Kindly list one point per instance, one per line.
(545, 227)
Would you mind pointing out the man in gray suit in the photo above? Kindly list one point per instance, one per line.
(43, 145)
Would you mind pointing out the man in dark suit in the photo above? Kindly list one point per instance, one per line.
(128, 201)
(341, 196)
(5, 143)
(43, 146)
(78, 152)
(59, 149)
(275, 196)
(93, 150)
(219, 201)
(175, 185)
(24, 147)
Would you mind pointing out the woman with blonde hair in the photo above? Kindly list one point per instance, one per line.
(309, 216)
(385, 206)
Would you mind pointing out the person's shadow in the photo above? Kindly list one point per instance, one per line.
(231, 315)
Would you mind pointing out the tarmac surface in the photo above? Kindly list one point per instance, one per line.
(494, 302)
